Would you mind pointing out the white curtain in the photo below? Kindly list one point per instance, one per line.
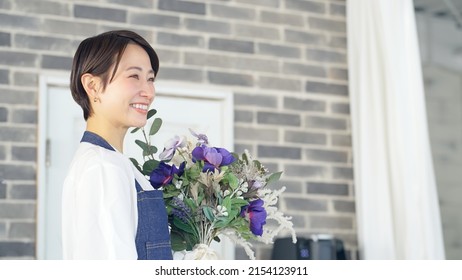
(397, 202)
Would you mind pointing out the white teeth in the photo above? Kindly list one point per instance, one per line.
(140, 106)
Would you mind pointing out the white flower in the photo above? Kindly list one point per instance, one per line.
(222, 211)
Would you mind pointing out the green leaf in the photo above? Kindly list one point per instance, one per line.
(183, 226)
(151, 113)
(150, 165)
(156, 124)
(135, 129)
(191, 204)
(142, 145)
(136, 164)
(208, 213)
(238, 202)
(274, 177)
(178, 242)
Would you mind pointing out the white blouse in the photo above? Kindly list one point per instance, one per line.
(99, 205)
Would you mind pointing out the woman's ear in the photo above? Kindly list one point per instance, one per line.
(92, 85)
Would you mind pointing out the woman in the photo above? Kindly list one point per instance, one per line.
(110, 211)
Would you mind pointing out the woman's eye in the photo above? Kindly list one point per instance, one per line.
(135, 76)
(152, 79)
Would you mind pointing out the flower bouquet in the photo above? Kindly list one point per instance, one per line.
(210, 192)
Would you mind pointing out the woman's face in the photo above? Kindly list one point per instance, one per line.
(126, 100)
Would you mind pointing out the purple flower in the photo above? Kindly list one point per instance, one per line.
(201, 138)
(171, 146)
(163, 174)
(256, 214)
(180, 210)
(212, 157)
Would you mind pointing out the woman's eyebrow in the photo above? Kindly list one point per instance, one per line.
(138, 68)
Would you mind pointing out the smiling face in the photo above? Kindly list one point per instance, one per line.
(126, 99)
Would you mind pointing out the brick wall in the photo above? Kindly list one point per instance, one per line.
(285, 61)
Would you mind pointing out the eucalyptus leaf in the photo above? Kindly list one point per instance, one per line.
(156, 124)
(135, 129)
(142, 144)
(274, 177)
(136, 164)
(149, 166)
(150, 150)
(151, 113)
(208, 213)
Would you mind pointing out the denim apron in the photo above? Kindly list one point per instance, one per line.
(152, 235)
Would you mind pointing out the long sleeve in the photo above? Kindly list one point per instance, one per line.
(99, 211)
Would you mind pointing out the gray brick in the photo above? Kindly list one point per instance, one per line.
(17, 210)
(18, 59)
(326, 155)
(24, 153)
(341, 140)
(179, 40)
(325, 56)
(340, 108)
(299, 221)
(2, 156)
(319, 87)
(325, 122)
(230, 79)
(17, 22)
(42, 43)
(221, 11)
(337, 42)
(24, 116)
(338, 74)
(3, 114)
(98, 13)
(42, 7)
(280, 18)
(4, 76)
(279, 83)
(327, 24)
(306, 38)
(2, 191)
(231, 45)
(23, 191)
(255, 100)
(279, 152)
(134, 3)
(304, 204)
(243, 116)
(304, 104)
(278, 50)
(2, 230)
(25, 79)
(327, 188)
(266, 3)
(291, 186)
(54, 26)
(307, 6)
(338, 9)
(306, 171)
(342, 173)
(17, 96)
(258, 134)
(182, 74)
(256, 31)
(271, 167)
(56, 62)
(182, 6)
(344, 206)
(328, 222)
(153, 19)
(305, 137)
(241, 63)
(17, 172)
(22, 230)
(305, 70)
(278, 118)
(168, 56)
(5, 4)
(208, 26)
(240, 148)
(18, 134)
(16, 249)
(5, 39)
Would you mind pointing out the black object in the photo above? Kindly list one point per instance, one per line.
(317, 247)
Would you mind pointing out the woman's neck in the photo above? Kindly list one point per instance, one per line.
(113, 135)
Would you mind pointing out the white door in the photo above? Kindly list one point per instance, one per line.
(61, 126)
